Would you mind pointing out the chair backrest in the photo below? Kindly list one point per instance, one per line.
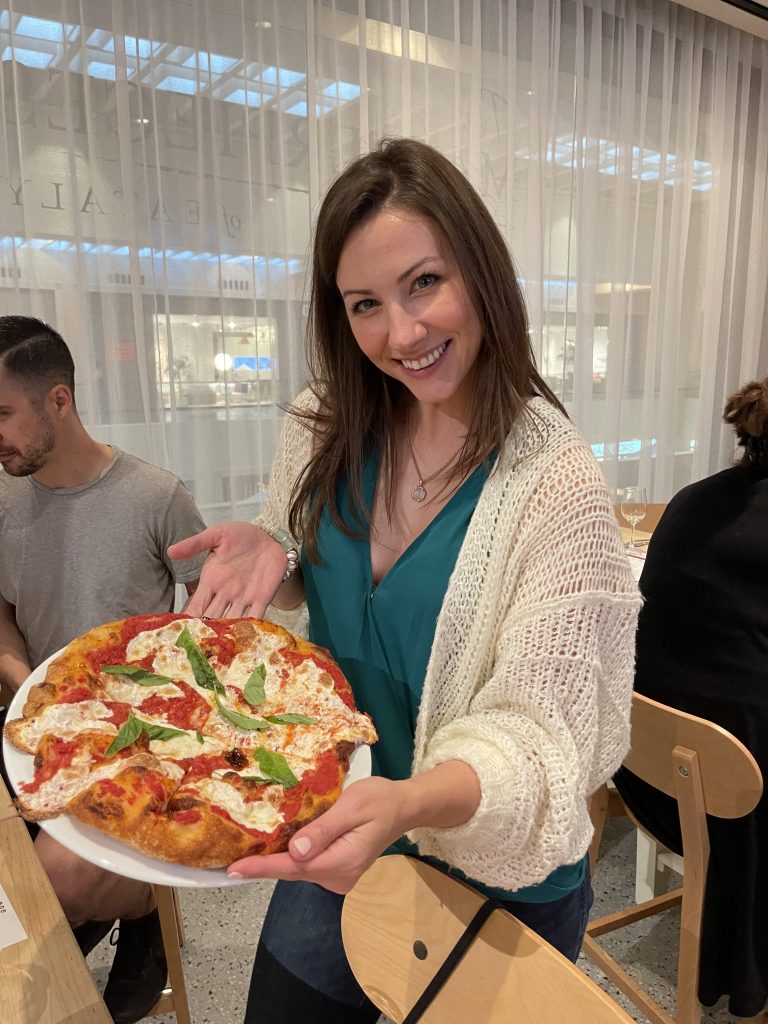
(654, 510)
(731, 781)
(404, 917)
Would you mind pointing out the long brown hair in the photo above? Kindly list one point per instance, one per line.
(747, 412)
(357, 402)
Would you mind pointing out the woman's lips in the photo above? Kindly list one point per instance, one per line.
(435, 360)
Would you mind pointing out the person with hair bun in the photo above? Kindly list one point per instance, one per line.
(702, 647)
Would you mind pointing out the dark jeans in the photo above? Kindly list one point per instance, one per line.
(301, 975)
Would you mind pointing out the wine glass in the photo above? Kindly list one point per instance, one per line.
(633, 508)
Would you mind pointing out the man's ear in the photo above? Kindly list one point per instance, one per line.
(59, 400)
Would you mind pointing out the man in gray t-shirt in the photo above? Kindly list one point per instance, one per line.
(84, 532)
(95, 551)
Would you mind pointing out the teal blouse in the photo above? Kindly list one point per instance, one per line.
(381, 636)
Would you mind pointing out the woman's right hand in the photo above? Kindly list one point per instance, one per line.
(241, 574)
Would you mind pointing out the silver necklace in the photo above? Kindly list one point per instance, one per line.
(419, 492)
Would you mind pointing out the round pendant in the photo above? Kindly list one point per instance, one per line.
(418, 493)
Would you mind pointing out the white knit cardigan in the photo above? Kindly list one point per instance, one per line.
(529, 679)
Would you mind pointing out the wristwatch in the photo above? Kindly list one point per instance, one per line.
(291, 549)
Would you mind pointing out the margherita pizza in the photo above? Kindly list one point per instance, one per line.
(198, 741)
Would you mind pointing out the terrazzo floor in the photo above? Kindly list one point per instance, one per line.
(222, 928)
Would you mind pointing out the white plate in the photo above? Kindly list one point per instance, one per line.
(109, 853)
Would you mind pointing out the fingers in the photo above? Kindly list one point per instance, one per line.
(191, 546)
(276, 865)
(206, 602)
(310, 841)
(333, 870)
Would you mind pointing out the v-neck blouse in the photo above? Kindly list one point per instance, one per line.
(381, 635)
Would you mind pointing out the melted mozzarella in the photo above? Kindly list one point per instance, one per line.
(260, 814)
(67, 720)
(188, 745)
(152, 640)
(122, 689)
(56, 793)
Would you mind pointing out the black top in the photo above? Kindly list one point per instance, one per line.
(702, 647)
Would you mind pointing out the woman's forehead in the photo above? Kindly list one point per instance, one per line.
(385, 241)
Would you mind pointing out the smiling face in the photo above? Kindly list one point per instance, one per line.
(27, 433)
(409, 309)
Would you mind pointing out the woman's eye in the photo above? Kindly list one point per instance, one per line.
(424, 281)
(363, 306)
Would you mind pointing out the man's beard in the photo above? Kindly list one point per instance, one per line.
(34, 458)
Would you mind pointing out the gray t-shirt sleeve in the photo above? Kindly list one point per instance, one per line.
(182, 519)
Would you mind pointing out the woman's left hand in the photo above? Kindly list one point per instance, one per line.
(336, 848)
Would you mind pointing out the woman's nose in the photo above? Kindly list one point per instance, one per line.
(404, 328)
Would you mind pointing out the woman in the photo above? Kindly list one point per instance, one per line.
(702, 646)
(461, 560)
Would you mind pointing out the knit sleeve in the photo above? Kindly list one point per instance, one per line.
(550, 722)
(292, 453)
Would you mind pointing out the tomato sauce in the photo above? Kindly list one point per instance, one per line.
(114, 653)
(118, 712)
(75, 695)
(220, 648)
(321, 780)
(109, 788)
(187, 712)
(190, 817)
(203, 766)
(57, 754)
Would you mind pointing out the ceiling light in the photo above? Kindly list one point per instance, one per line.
(222, 361)
(195, 322)
(141, 120)
(263, 24)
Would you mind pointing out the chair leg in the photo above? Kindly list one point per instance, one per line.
(166, 908)
(179, 918)
(648, 877)
(598, 810)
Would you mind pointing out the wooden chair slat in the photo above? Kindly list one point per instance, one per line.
(402, 908)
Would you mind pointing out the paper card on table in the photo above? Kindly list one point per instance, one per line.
(11, 929)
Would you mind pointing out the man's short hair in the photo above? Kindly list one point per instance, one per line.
(36, 355)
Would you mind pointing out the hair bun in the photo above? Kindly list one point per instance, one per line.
(747, 410)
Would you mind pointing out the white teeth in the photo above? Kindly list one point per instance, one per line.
(420, 364)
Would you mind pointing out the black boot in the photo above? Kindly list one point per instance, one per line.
(90, 933)
(139, 971)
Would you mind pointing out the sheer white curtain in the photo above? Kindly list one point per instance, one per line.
(160, 165)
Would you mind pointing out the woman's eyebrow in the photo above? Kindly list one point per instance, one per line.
(402, 277)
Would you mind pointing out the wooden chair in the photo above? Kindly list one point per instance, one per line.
(404, 917)
(174, 996)
(653, 512)
(708, 771)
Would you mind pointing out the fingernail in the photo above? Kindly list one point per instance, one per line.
(302, 846)
(234, 874)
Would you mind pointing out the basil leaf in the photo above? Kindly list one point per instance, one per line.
(259, 779)
(139, 675)
(161, 732)
(128, 734)
(290, 719)
(274, 766)
(241, 721)
(199, 736)
(254, 688)
(201, 667)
